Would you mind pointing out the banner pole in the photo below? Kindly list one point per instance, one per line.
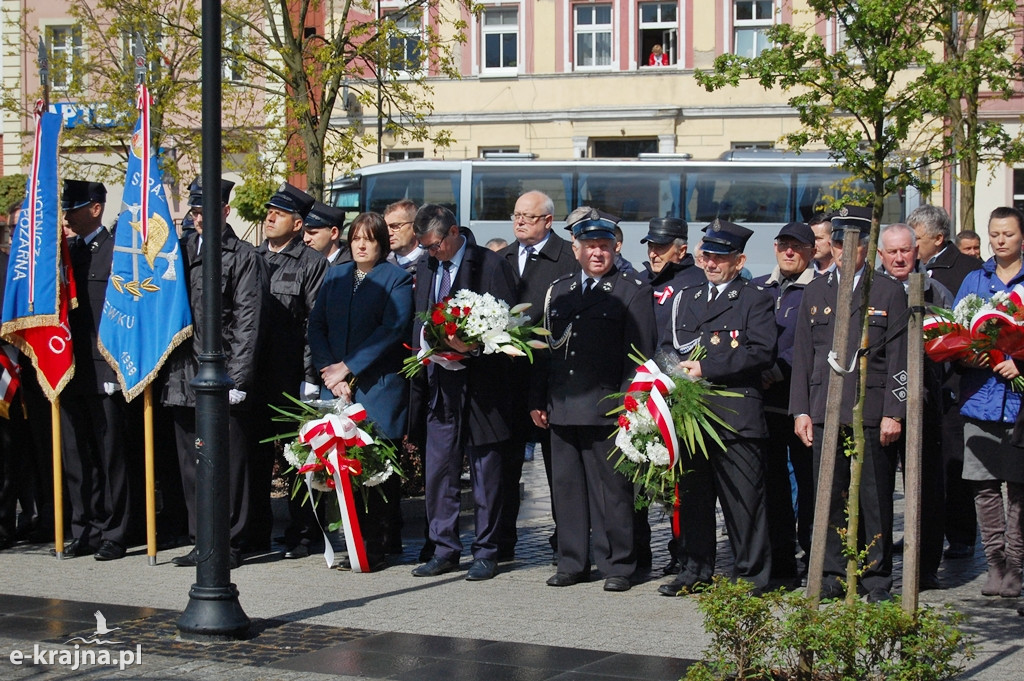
(147, 419)
(58, 477)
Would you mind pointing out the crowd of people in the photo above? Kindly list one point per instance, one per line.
(322, 309)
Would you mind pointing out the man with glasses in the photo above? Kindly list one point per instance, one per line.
(732, 320)
(463, 412)
(794, 250)
(405, 250)
(538, 256)
(243, 284)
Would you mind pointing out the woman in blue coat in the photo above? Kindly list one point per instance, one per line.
(990, 408)
(361, 318)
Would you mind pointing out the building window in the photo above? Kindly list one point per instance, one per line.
(405, 42)
(499, 36)
(629, 147)
(497, 151)
(593, 33)
(1018, 188)
(65, 51)
(658, 27)
(751, 20)
(234, 44)
(404, 154)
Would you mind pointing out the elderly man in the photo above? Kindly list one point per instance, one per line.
(538, 257)
(948, 266)
(597, 317)
(405, 249)
(884, 404)
(322, 231)
(285, 362)
(92, 409)
(897, 247)
(243, 285)
(794, 248)
(466, 411)
(733, 320)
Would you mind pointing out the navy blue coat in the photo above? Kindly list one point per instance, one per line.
(366, 329)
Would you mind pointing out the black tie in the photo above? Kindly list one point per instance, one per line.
(588, 285)
(712, 295)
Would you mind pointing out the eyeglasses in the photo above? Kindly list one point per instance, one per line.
(395, 226)
(795, 245)
(432, 248)
(526, 217)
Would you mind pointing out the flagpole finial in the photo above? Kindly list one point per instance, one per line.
(140, 60)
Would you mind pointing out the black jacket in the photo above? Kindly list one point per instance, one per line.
(672, 279)
(950, 267)
(91, 265)
(244, 286)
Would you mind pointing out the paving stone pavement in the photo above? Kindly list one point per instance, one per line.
(314, 623)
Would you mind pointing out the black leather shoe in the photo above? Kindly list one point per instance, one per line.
(616, 584)
(567, 579)
(6, 543)
(958, 551)
(671, 568)
(481, 569)
(190, 559)
(682, 583)
(297, 551)
(76, 548)
(377, 563)
(929, 583)
(832, 591)
(434, 567)
(109, 550)
(879, 595)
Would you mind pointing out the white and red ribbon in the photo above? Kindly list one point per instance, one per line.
(329, 437)
(449, 359)
(663, 295)
(650, 378)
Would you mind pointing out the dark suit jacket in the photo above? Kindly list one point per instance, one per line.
(887, 362)
(91, 266)
(554, 260)
(487, 394)
(592, 337)
(367, 329)
(950, 267)
(739, 333)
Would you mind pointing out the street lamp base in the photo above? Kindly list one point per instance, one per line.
(213, 614)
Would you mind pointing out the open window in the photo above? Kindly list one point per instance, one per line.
(659, 33)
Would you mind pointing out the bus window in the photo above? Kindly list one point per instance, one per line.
(740, 195)
(819, 189)
(495, 190)
(422, 187)
(635, 196)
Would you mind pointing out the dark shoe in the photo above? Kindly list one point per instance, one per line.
(616, 584)
(377, 563)
(683, 583)
(109, 550)
(482, 569)
(671, 568)
(434, 567)
(190, 559)
(297, 551)
(172, 542)
(958, 551)
(6, 543)
(76, 549)
(567, 579)
(879, 595)
(897, 546)
(929, 583)
(832, 591)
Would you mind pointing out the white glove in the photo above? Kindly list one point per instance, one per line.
(235, 396)
(308, 391)
(110, 388)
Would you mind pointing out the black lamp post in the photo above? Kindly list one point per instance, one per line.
(213, 611)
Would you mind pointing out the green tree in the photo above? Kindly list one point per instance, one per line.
(878, 103)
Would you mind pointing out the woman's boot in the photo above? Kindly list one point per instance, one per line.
(996, 578)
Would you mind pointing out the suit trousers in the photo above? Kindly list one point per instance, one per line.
(594, 503)
(95, 469)
(443, 472)
(736, 474)
(877, 486)
(239, 450)
(783, 446)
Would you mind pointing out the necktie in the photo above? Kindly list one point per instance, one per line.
(588, 285)
(530, 250)
(446, 280)
(712, 295)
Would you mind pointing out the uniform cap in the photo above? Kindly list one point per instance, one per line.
(291, 199)
(78, 193)
(724, 237)
(195, 191)
(665, 230)
(851, 216)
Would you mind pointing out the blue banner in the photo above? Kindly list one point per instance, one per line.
(146, 313)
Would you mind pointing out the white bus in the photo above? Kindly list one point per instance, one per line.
(761, 189)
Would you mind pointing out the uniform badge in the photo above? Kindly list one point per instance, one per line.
(715, 340)
(827, 310)
(900, 391)
(607, 286)
(814, 309)
(716, 226)
(663, 295)
(696, 296)
(735, 339)
(875, 312)
(733, 294)
(844, 212)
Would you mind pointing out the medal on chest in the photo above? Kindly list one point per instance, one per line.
(734, 343)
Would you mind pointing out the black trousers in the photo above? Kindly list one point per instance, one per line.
(783, 447)
(876, 491)
(736, 475)
(95, 469)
